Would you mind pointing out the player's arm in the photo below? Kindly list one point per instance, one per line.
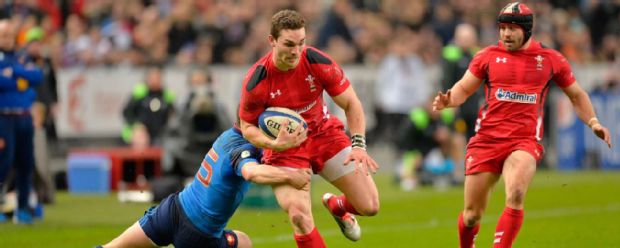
(283, 142)
(29, 72)
(352, 106)
(350, 103)
(457, 95)
(267, 174)
(583, 106)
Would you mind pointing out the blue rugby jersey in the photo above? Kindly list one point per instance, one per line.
(218, 187)
(12, 72)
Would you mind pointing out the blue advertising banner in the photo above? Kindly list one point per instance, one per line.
(575, 139)
(607, 105)
(570, 137)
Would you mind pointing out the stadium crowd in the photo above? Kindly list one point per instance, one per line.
(138, 32)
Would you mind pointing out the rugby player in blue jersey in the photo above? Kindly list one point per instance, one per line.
(197, 216)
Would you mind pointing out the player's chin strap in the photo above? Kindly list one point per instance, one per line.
(358, 141)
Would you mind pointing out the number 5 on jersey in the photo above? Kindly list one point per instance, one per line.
(206, 168)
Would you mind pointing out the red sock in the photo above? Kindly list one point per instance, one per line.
(467, 235)
(508, 227)
(339, 206)
(310, 240)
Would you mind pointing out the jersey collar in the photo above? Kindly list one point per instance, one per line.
(534, 45)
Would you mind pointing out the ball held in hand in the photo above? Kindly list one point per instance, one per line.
(270, 121)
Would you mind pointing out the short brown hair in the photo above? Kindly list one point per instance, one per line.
(286, 19)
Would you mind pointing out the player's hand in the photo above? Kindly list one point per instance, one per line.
(442, 100)
(286, 140)
(602, 132)
(300, 179)
(362, 161)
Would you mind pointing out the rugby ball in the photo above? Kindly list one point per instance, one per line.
(269, 122)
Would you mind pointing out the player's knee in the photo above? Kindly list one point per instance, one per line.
(243, 240)
(299, 217)
(369, 209)
(471, 217)
(515, 197)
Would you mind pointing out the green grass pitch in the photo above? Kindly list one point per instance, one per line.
(570, 209)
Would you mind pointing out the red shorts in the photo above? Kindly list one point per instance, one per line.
(488, 155)
(323, 144)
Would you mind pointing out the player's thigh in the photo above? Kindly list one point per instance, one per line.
(243, 240)
(134, 236)
(477, 189)
(519, 170)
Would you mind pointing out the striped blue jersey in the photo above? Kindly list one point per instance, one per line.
(218, 187)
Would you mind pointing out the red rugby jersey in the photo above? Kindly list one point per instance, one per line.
(516, 85)
(300, 89)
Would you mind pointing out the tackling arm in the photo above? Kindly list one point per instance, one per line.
(267, 174)
(284, 141)
(254, 136)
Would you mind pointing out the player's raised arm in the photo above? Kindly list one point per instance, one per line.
(267, 174)
(457, 95)
(356, 122)
(583, 106)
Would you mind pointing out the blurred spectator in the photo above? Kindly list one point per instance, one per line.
(181, 33)
(44, 111)
(99, 51)
(401, 84)
(603, 19)
(456, 58)
(202, 117)
(426, 131)
(204, 52)
(372, 36)
(77, 42)
(444, 21)
(18, 82)
(165, 31)
(336, 24)
(150, 42)
(147, 111)
(117, 27)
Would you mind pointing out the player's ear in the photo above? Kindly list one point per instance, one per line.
(272, 40)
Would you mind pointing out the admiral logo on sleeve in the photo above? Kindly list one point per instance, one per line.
(509, 96)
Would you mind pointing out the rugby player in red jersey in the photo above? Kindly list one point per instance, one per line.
(516, 75)
(294, 75)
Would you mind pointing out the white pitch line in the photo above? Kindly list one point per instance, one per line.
(434, 223)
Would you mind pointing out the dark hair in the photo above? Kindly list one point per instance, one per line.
(286, 19)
